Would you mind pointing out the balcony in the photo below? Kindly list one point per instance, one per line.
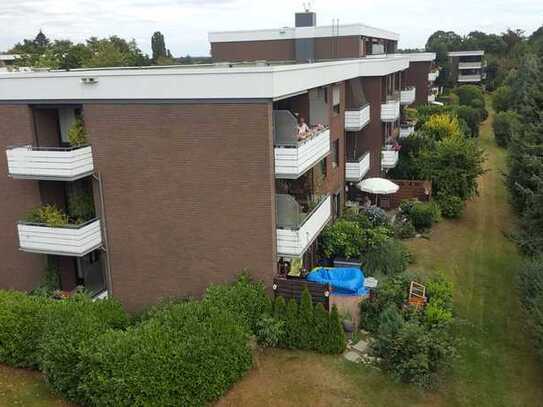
(294, 156)
(470, 65)
(408, 95)
(432, 76)
(299, 225)
(357, 119)
(390, 110)
(389, 158)
(357, 169)
(406, 129)
(431, 98)
(67, 240)
(50, 163)
(469, 78)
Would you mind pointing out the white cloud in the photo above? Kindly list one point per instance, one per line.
(185, 23)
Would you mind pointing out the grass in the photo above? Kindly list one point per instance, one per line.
(496, 367)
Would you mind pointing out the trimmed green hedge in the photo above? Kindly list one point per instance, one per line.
(69, 326)
(246, 299)
(187, 354)
(21, 327)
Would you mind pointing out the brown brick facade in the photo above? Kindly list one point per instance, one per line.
(272, 50)
(189, 195)
(18, 270)
(417, 75)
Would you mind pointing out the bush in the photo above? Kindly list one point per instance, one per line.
(77, 135)
(505, 125)
(48, 215)
(270, 331)
(246, 299)
(389, 258)
(188, 354)
(467, 94)
(531, 286)
(21, 320)
(376, 216)
(501, 99)
(404, 229)
(472, 116)
(422, 214)
(452, 207)
(306, 323)
(69, 326)
(335, 341)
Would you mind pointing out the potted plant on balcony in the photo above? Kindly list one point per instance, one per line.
(77, 135)
(49, 215)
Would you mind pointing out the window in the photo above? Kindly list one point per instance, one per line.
(335, 153)
(323, 165)
(336, 99)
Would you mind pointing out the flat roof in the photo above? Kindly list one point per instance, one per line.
(418, 56)
(466, 53)
(189, 82)
(289, 33)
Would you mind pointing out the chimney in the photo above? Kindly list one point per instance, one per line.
(306, 19)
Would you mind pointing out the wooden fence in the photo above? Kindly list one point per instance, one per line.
(293, 287)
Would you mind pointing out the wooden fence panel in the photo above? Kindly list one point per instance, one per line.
(293, 288)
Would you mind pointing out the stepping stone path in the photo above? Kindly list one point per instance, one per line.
(360, 352)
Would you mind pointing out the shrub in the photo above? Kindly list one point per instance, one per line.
(389, 258)
(440, 126)
(270, 331)
(49, 215)
(69, 326)
(188, 354)
(77, 135)
(472, 116)
(246, 299)
(404, 229)
(49, 283)
(292, 325)
(467, 94)
(422, 214)
(81, 206)
(306, 326)
(531, 286)
(501, 99)
(505, 125)
(342, 239)
(335, 341)
(21, 320)
(451, 206)
(376, 216)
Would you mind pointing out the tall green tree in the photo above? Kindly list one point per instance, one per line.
(158, 46)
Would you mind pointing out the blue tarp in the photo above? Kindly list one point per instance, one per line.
(343, 280)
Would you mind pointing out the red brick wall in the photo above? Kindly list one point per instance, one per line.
(371, 137)
(417, 75)
(189, 195)
(18, 270)
(342, 47)
(272, 50)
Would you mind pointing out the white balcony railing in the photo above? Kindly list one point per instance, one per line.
(408, 95)
(291, 161)
(69, 240)
(432, 76)
(294, 240)
(470, 65)
(50, 163)
(469, 78)
(389, 159)
(406, 130)
(357, 169)
(390, 111)
(356, 120)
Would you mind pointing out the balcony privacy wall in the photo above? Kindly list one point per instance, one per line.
(19, 270)
(189, 195)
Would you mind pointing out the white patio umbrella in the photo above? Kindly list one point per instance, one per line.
(378, 186)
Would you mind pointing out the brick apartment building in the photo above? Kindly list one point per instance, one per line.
(466, 67)
(197, 172)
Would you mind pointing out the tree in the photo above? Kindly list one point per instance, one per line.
(306, 322)
(501, 99)
(440, 126)
(505, 125)
(41, 41)
(158, 46)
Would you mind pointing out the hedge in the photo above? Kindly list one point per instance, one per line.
(21, 327)
(69, 326)
(246, 299)
(187, 354)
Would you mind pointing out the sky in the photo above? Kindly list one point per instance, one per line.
(185, 23)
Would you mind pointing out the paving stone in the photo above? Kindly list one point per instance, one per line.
(352, 357)
(361, 346)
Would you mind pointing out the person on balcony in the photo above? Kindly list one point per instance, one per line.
(303, 129)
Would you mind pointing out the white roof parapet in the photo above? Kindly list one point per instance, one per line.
(466, 53)
(190, 82)
(419, 56)
(288, 33)
(9, 57)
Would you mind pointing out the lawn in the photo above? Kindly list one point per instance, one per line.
(496, 367)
